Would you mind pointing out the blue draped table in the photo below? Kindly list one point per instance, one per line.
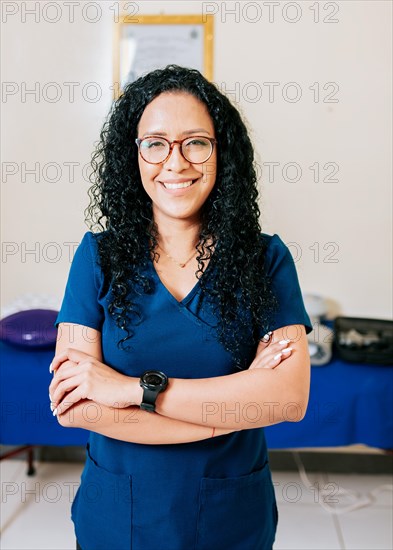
(26, 418)
(349, 403)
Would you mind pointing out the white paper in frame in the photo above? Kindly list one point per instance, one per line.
(149, 42)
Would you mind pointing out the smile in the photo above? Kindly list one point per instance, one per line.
(182, 185)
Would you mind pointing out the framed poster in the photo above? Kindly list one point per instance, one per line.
(150, 42)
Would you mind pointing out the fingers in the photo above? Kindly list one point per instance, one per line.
(268, 336)
(264, 341)
(283, 354)
(67, 354)
(274, 360)
(64, 379)
(68, 402)
(267, 341)
(66, 370)
(62, 398)
(271, 356)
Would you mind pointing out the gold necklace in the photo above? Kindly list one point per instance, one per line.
(179, 264)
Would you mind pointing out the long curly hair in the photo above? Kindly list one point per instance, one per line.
(235, 283)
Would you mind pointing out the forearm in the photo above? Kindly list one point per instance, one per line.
(252, 398)
(135, 425)
(249, 399)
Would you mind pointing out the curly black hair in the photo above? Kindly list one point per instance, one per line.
(237, 285)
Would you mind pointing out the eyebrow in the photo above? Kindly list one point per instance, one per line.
(185, 133)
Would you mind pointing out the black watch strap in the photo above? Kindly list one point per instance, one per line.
(149, 399)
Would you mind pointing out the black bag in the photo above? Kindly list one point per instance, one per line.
(364, 340)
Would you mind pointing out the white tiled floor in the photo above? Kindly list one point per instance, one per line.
(35, 511)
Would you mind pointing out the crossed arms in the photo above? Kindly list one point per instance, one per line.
(91, 395)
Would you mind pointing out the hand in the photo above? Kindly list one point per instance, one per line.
(269, 355)
(78, 376)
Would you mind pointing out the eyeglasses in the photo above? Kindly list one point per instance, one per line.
(195, 149)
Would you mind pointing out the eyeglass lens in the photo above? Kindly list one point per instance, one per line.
(156, 150)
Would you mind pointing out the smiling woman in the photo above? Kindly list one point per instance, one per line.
(197, 329)
(177, 168)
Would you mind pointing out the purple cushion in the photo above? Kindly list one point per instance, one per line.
(32, 328)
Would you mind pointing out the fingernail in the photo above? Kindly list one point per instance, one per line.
(266, 337)
(282, 342)
(55, 412)
(51, 406)
(50, 367)
(50, 399)
(277, 356)
(286, 350)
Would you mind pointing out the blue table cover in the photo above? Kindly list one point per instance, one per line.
(26, 418)
(349, 403)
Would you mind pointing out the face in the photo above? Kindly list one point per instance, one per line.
(177, 116)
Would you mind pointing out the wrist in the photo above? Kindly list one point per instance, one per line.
(134, 392)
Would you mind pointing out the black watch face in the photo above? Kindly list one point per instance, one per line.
(153, 379)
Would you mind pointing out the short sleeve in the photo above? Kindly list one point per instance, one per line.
(80, 303)
(280, 268)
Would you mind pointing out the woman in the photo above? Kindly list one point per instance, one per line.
(181, 283)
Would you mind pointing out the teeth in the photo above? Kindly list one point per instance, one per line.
(178, 185)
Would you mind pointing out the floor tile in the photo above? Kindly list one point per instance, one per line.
(367, 529)
(35, 510)
(305, 527)
(290, 488)
(377, 488)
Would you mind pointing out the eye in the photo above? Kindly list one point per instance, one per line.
(153, 143)
(198, 143)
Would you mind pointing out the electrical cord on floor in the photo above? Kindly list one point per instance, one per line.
(361, 500)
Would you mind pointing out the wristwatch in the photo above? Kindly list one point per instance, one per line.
(153, 382)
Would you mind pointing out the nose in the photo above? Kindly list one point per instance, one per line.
(176, 162)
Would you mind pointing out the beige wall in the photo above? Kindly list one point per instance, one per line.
(353, 213)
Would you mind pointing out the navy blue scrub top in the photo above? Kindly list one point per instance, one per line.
(211, 494)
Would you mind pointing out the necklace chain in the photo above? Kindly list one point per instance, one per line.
(179, 264)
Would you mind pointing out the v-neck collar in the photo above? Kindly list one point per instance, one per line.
(192, 292)
(182, 302)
